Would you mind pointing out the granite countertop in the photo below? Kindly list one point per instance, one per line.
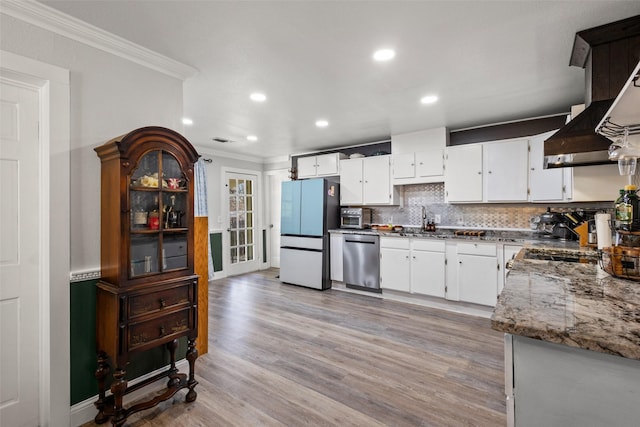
(496, 235)
(571, 303)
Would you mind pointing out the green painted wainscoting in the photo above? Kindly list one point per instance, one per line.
(83, 345)
(215, 240)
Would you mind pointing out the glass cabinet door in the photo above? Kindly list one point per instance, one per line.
(158, 196)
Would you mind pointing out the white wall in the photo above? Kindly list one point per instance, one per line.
(109, 97)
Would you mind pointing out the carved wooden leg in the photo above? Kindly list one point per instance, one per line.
(192, 355)
(174, 379)
(118, 388)
(101, 372)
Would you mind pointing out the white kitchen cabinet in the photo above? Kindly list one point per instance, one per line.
(428, 267)
(477, 273)
(546, 185)
(367, 181)
(418, 157)
(506, 253)
(335, 255)
(505, 169)
(395, 264)
(463, 173)
(320, 165)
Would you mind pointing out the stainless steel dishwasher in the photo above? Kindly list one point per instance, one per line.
(361, 262)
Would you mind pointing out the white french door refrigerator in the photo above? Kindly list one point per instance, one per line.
(309, 209)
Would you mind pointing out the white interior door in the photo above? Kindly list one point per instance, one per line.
(275, 180)
(242, 229)
(20, 255)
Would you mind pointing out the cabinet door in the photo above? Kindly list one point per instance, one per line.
(307, 167)
(327, 164)
(506, 173)
(312, 199)
(377, 180)
(544, 184)
(429, 163)
(395, 269)
(463, 174)
(427, 273)
(351, 182)
(404, 165)
(478, 279)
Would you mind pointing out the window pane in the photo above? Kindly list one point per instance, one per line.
(232, 204)
(146, 173)
(233, 221)
(249, 187)
(241, 186)
(249, 203)
(250, 236)
(242, 254)
(241, 203)
(232, 186)
(234, 255)
(144, 254)
(241, 220)
(249, 220)
(249, 253)
(241, 237)
(174, 251)
(171, 172)
(233, 238)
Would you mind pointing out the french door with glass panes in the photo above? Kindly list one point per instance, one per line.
(241, 226)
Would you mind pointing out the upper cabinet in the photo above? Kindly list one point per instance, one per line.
(546, 185)
(505, 171)
(320, 165)
(367, 181)
(418, 157)
(463, 173)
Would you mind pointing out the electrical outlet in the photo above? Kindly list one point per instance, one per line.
(437, 219)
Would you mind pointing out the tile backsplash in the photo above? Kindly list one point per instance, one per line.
(487, 215)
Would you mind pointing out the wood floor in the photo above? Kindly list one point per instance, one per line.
(281, 355)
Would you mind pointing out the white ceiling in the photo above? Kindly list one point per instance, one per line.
(488, 61)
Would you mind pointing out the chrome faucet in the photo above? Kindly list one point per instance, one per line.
(424, 218)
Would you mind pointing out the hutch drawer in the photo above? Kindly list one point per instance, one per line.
(159, 330)
(161, 301)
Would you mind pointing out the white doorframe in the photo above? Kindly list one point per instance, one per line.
(53, 85)
(283, 175)
(258, 217)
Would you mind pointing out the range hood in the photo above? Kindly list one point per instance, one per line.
(608, 54)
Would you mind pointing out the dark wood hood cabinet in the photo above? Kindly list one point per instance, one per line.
(147, 295)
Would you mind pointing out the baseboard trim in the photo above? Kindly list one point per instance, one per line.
(85, 411)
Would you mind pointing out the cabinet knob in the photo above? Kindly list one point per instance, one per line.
(489, 171)
(414, 257)
(479, 173)
(161, 331)
(163, 303)
(421, 163)
(533, 169)
(412, 164)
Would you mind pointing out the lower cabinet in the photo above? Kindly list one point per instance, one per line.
(477, 273)
(413, 265)
(428, 267)
(395, 264)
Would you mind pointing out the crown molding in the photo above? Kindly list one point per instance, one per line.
(65, 25)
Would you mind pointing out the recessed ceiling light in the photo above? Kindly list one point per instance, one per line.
(252, 138)
(384, 54)
(187, 121)
(322, 123)
(429, 99)
(258, 97)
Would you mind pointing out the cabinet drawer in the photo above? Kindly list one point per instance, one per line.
(163, 329)
(428, 245)
(487, 249)
(394, 242)
(167, 299)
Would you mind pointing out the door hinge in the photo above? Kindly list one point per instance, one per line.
(445, 261)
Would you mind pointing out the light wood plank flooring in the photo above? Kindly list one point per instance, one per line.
(281, 355)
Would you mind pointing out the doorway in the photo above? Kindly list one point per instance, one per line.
(242, 242)
(274, 193)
